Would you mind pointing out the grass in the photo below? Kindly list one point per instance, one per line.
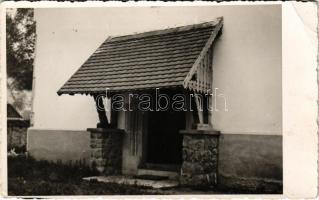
(28, 177)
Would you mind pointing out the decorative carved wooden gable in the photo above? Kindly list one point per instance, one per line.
(200, 77)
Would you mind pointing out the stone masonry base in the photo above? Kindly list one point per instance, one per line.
(200, 156)
(106, 150)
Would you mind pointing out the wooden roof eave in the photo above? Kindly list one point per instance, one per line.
(112, 91)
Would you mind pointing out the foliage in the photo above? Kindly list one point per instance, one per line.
(20, 28)
(29, 168)
(16, 149)
(27, 176)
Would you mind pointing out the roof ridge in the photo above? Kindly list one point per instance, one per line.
(165, 31)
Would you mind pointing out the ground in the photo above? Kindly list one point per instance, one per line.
(29, 177)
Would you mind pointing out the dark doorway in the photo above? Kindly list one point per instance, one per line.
(164, 142)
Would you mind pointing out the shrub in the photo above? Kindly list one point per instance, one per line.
(26, 176)
(28, 168)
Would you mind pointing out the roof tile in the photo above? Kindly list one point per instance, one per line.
(153, 59)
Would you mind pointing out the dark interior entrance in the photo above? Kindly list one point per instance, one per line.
(164, 143)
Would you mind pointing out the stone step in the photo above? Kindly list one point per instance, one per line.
(170, 174)
(127, 180)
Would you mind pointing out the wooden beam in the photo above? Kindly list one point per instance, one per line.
(208, 79)
(205, 72)
(199, 108)
(103, 121)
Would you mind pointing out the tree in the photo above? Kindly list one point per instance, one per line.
(20, 35)
(20, 48)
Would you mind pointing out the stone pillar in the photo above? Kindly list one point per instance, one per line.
(200, 158)
(106, 150)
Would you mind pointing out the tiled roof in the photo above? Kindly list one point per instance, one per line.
(12, 112)
(153, 59)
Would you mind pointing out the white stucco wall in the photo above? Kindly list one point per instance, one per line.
(247, 61)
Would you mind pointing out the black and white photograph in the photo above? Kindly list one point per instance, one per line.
(145, 100)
